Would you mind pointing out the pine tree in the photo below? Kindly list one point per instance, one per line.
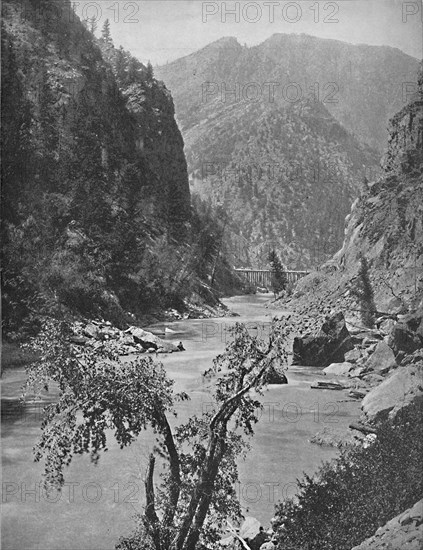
(17, 154)
(92, 24)
(133, 74)
(149, 73)
(106, 34)
(364, 292)
(278, 273)
(120, 66)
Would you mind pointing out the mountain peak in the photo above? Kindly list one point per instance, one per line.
(225, 42)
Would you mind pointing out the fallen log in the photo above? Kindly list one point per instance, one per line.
(362, 428)
(327, 386)
(357, 394)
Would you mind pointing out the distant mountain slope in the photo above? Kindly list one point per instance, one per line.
(285, 172)
(362, 86)
(285, 179)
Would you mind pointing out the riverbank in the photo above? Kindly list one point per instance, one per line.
(98, 503)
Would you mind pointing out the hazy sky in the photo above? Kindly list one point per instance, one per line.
(163, 30)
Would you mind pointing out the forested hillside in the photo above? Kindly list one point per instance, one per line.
(282, 135)
(96, 212)
(285, 178)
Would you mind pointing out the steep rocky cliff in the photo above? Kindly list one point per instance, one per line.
(66, 77)
(385, 226)
(95, 198)
(386, 222)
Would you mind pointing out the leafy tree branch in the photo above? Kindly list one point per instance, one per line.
(98, 392)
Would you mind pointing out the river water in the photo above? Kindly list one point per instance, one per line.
(98, 503)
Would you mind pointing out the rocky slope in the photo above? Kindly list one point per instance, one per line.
(403, 531)
(385, 365)
(385, 226)
(285, 172)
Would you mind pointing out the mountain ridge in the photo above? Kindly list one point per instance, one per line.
(347, 65)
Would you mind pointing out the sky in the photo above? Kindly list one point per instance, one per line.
(163, 30)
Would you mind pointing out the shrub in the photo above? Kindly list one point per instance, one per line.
(349, 499)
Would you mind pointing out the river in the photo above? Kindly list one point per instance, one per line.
(98, 503)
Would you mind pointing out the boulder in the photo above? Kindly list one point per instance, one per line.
(90, 331)
(382, 359)
(339, 369)
(250, 528)
(387, 325)
(127, 340)
(369, 342)
(413, 320)
(402, 388)
(353, 355)
(331, 436)
(149, 340)
(276, 376)
(367, 337)
(167, 347)
(404, 531)
(330, 344)
(356, 372)
(143, 337)
(231, 543)
(404, 339)
(372, 378)
(108, 332)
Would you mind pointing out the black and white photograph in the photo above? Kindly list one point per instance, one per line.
(212, 275)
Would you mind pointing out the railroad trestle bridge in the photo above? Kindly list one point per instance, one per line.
(263, 277)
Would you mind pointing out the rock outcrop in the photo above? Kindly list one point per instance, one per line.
(328, 346)
(407, 335)
(339, 369)
(148, 340)
(403, 532)
(382, 359)
(403, 387)
(276, 376)
(131, 341)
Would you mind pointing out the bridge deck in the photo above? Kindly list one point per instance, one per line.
(263, 277)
